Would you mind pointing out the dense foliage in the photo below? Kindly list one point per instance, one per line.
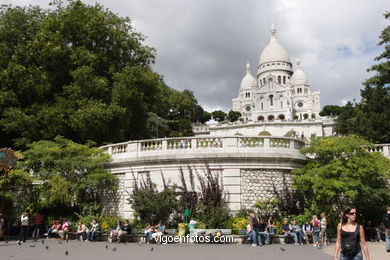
(82, 72)
(68, 177)
(340, 172)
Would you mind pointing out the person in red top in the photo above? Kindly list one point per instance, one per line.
(53, 229)
(37, 226)
(63, 233)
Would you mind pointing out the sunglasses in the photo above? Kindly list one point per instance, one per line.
(352, 213)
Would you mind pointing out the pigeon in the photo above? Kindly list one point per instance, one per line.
(19, 243)
(66, 252)
(151, 249)
(282, 249)
(114, 249)
(106, 246)
(67, 240)
(43, 241)
(47, 247)
(32, 246)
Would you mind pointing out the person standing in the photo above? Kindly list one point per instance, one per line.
(323, 229)
(386, 222)
(24, 220)
(350, 237)
(316, 230)
(38, 226)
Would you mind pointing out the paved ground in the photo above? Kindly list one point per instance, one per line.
(377, 250)
(97, 251)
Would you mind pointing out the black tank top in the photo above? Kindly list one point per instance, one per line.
(350, 237)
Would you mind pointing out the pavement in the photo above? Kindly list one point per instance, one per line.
(377, 250)
(187, 251)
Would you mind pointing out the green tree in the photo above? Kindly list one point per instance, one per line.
(71, 175)
(152, 205)
(233, 116)
(219, 115)
(341, 171)
(206, 117)
(81, 72)
(331, 111)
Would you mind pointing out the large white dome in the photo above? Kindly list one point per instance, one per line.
(274, 51)
(248, 81)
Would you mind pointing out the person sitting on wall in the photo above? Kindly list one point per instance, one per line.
(81, 231)
(65, 228)
(287, 231)
(249, 230)
(53, 229)
(125, 229)
(298, 231)
(262, 233)
(114, 233)
(160, 229)
(149, 230)
(94, 231)
(307, 231)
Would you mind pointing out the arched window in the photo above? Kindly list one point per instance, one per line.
(279, 79)
(284, 79)
(260, 118)
(271, 117)
(271, 100)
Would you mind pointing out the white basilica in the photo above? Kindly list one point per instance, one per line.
(278, 91)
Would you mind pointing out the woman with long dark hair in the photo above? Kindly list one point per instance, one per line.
(350, 237)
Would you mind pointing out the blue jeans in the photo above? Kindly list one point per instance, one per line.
(293, 235)
(387, 239)
(300, 236)
(91, 235)
(359, 256)
(316, 236)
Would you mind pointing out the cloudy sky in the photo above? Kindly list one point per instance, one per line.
(203, 45)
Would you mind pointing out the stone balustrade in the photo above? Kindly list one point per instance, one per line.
(381, 148)
(196, 146)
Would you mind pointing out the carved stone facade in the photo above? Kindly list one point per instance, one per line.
(258, 184)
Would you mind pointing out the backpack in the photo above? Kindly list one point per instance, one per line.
(350, 246)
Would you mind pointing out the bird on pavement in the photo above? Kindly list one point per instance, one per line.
(43, 241)
(106, 246)
(66, 252)
(282, 249)
(151, 249)
(47, 247)
(114, 249)
(32, 246)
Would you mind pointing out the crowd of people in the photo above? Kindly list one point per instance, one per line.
(260, 233)
(351, 236)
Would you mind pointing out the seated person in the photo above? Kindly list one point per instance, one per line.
(160, 229)
(114, 233)
(249, 232)
(81, 231)
(287, 231)
(65, 228)
(262, 233)
(307, 231)
(148, 233)
(53, 229)
(271, 225)
(125, 229)
(94, 231)
(297, 230)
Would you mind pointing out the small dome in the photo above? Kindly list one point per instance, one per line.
(248, 81)
(274, 51)
(299, 77)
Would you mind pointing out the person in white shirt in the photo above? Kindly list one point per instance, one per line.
(24, 221)
(323, 229)
(63, 233)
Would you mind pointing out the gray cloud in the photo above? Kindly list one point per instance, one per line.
(204, 45)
